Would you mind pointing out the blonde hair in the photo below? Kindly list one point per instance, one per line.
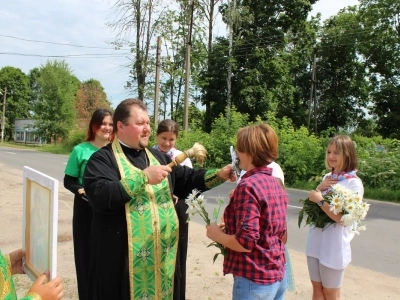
(347, 151)
(260, 142)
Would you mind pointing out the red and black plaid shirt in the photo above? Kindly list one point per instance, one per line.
(256, 215)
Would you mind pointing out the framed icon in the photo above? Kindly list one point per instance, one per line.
(40, 223)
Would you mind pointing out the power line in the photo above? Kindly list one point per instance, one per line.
(55, 43)
(93, 55)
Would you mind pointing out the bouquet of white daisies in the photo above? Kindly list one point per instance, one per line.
(341, 200)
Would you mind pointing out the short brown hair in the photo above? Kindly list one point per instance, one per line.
(346, 149)
(260, 142)
(123, 111)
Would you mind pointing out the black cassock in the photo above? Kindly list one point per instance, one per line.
(108, 268)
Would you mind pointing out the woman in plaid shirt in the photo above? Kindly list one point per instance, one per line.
(255, 221)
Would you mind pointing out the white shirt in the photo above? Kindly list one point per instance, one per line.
(331, 245)
(276, 172)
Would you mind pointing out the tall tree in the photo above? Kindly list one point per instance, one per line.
(209, 10)
(298, 55)
(214, 84)
(380, 47)
(261, 78)
(17, 97)
(342, 87)
(174, 34)
(89, 97)
(135, 23)
(54, 105)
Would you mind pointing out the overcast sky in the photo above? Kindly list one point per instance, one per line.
(79, 23)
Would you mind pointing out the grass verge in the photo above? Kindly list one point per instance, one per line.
(369, 193)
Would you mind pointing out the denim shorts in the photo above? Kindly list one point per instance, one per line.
(245, 289)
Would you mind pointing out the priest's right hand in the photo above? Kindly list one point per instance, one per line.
(156, 174)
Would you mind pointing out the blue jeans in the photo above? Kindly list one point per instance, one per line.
(244, 289)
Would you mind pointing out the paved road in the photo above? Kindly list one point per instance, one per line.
(377, 249)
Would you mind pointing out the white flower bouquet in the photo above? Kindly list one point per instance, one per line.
(341, 200)
(195, 204)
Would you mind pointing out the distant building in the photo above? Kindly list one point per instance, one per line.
(25, 132)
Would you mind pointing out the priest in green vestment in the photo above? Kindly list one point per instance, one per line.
(134, 233)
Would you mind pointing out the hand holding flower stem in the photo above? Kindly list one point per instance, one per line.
(196, 206)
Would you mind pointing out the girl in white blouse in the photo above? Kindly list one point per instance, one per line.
(328, 249)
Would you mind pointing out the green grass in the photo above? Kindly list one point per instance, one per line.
(56, 149)
(375, 194)
(382, 194)
(20, 145)
(52, 148)
(304, 185)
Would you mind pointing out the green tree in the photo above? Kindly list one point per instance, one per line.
(223, 135)
(261, 73)
(35, 89)
(174, 33)
(17, 97)
(380, 45)
(342, 86)
(89, 97)
(213, 83)
(54, 105)
(298, 54)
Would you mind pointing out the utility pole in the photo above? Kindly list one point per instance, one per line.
(3, 119)
(312, 92)
(157, 86)
(187, 71)
(229, 78)
(315, 101)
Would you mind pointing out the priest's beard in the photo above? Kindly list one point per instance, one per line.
(143, 143)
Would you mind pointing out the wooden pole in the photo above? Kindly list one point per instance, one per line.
(157, 85)
(311, 92)
(187, 71)
(229, 77)
(3, 119)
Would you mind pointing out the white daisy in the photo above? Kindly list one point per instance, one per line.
(347, 220)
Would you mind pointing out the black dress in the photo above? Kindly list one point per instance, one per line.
(181, 257)
(81, 222)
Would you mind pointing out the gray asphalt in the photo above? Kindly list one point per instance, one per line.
(377, 249)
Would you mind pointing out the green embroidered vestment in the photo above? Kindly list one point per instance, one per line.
(152, 231)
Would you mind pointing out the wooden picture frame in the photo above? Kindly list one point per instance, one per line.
(40, 223)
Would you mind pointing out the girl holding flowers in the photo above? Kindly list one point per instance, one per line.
(328, 249)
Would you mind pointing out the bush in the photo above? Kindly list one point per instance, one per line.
(223, 135)
(379, 165)
(301, 155)
(74, 139)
